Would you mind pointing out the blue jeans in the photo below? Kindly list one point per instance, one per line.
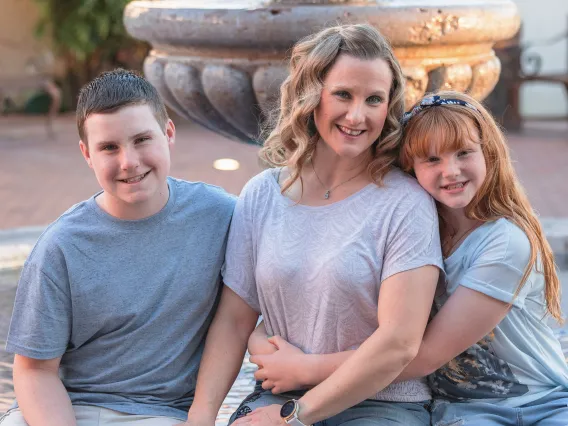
(552, 410)
(367, 413)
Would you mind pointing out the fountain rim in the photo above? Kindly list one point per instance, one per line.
(175, 23)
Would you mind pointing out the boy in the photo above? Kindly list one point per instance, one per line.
(115, 300)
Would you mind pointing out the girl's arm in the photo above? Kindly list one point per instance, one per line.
(466, 317)
(258, 343)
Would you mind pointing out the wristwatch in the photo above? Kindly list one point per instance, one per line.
(289, 413)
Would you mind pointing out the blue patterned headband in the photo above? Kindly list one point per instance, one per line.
(433, 101)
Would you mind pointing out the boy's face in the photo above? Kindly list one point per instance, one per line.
(130, 155)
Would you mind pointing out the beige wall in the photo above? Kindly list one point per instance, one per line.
(19, 47)
(542, 20)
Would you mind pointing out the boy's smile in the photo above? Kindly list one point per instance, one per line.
(130, 155)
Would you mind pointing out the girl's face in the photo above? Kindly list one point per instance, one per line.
(453, 177)
(354, 105)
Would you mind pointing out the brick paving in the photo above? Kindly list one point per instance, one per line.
(40, 178)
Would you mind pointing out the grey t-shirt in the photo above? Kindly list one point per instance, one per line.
(315, 272)
(126, 304)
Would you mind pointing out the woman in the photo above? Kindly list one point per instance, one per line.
(334, 246)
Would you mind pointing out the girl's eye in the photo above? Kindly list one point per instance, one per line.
(374, 99)
(342, 94)
(463, 153)
(432, 159)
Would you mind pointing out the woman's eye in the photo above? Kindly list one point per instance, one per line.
(342, 94)
(374, 99)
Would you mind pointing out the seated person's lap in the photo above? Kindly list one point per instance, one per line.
(367, 413)
(97, 416)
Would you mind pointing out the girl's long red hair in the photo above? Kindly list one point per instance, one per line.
(501, 195)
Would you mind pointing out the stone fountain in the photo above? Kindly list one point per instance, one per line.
(221, 62)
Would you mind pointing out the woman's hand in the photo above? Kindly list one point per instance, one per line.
(284, 370)
(264, 416)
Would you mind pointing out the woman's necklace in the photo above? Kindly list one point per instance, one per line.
(459, 240)
(328, 191)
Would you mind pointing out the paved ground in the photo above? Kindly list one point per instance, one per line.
(40, 178)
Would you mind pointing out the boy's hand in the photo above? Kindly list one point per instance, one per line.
(284, 370)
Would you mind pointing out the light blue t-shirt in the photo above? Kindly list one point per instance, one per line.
(521, 360)
(126, 303)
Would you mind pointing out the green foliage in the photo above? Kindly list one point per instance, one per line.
(81, 28)
(89, 36)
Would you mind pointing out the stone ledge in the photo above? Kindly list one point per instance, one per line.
(17, 243)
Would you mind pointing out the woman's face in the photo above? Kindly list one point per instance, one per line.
(454, 177)
(354, 104)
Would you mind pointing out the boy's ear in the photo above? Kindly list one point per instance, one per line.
(170, 133)
(86, 154)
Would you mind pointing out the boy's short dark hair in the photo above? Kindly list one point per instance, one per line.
(116, 89)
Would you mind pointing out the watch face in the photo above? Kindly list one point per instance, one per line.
(287, 409)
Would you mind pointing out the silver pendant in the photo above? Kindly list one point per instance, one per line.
(326, 196)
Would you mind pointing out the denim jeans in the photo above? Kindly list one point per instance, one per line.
(552, 410)
(367, 413)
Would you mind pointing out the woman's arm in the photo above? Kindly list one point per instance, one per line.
(222, 357)
(40, 393)
(404, 305)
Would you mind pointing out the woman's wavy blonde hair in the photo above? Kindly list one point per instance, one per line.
(293, 137)
(500, 195)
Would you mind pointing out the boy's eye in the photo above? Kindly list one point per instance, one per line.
(374, 99)
(142, 139)
(432, 159)
(109, 147)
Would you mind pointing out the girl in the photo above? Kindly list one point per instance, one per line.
(506, 365)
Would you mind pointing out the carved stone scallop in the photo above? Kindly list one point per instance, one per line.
(184, 81)
(154, 72)
(485, 77)
(454, 77)
(230, 91)
(416, 84)
(266, 82)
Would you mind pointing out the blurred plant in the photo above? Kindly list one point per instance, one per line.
(89, 36)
